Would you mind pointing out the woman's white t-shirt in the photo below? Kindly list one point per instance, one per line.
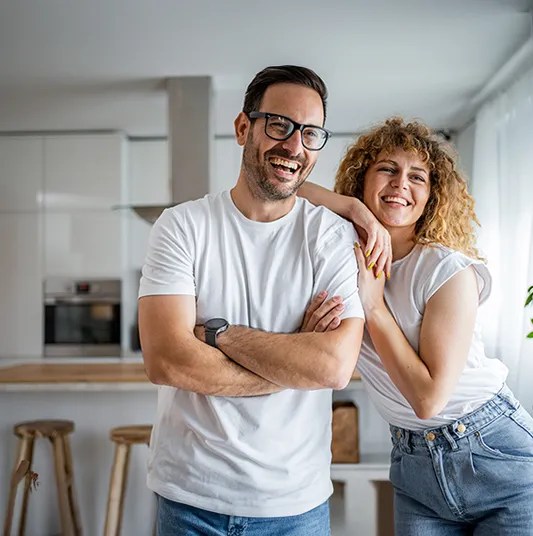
(414, 280)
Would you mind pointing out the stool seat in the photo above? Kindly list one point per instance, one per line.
(45, 428)
(131, 435)
(57, 431)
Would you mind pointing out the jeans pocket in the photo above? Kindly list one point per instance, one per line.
(506, 439)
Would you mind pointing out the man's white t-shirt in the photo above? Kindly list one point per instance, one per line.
(414, 280)
(260, 456)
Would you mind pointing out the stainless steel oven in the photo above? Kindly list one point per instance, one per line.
(82, 317)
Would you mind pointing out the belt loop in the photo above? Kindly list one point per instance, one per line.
(449, 437)
(406, 436)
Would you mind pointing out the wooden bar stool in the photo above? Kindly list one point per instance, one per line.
(57, 432)
(123, 437)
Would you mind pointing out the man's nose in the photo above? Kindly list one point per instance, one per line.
(294, 143)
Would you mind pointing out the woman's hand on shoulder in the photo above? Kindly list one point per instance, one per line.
(371, 286)
(375, 239)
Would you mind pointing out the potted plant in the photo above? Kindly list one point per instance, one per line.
(529, 300)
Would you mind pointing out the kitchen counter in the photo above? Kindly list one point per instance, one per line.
(97, 394)
(53, 376)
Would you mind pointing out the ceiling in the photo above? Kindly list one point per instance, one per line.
(101, 64)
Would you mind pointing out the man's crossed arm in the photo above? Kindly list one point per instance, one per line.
(249, 362)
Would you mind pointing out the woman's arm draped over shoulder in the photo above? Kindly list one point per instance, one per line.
(375, 237)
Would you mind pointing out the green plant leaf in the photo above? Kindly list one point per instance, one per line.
(529, 300)
(530, 335)
(530, 289)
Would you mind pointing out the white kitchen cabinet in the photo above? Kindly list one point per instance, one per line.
(86, 171)
(148, 173)
(21, 173)
(84, 243)
(21, 326)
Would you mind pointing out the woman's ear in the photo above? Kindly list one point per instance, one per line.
(242, 126)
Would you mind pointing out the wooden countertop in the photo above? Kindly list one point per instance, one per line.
(73, 373)
(33, 374)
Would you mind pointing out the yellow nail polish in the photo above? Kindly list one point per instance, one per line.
(371, 265)
(388, 276)
(356, 245)
(367, 254)
(378, 275)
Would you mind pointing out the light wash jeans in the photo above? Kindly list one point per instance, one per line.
(177, 519)
(471, 477)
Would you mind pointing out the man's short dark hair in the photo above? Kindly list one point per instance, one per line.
(282, 74)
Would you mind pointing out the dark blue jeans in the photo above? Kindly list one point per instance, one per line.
(177, 519)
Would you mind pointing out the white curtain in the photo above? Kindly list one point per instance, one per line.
(502, 185)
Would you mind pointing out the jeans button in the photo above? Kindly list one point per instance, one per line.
(461, 428)
(430, 436)
(398, 434)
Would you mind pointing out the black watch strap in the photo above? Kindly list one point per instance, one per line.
(211, 338)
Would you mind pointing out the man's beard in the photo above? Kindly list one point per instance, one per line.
(257, 174)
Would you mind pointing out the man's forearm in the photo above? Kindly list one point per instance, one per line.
(199, 368)
(296, 360)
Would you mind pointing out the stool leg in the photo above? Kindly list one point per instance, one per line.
(21, 468)
(73, 504)
(27, 447)
(117, 487)
(67, 524)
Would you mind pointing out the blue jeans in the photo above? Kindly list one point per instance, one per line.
(177, 519)
(471, 477)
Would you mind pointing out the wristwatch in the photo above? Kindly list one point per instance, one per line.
(213, 327)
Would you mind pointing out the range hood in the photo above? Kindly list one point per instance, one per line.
(190, 137)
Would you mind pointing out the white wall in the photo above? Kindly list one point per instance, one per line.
(464, 142)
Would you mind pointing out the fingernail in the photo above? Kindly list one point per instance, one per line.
(388, 276)
(322, 294)
(370, 266)
(378, 275)
(367, 254)
(340, 307)
(356, 245)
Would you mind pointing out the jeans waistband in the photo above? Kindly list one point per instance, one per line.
(502, 403)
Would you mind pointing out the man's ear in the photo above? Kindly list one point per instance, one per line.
(242, 126)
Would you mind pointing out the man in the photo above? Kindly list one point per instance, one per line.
(241, 444)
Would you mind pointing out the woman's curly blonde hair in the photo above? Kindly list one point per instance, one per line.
(449, 216)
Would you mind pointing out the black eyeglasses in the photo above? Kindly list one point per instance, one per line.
(279, 127)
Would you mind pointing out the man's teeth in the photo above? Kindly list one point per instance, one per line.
(285, 163)
(392, 199)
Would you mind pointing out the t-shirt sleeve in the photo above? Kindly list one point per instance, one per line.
(336, 269)
(452, 264)
(168, 267)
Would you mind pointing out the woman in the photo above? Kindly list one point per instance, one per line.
(462, 460)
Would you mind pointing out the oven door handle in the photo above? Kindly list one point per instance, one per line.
(82, 300)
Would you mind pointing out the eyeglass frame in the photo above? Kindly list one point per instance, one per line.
(296, 126)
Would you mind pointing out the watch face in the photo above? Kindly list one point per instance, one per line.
(215, 323)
